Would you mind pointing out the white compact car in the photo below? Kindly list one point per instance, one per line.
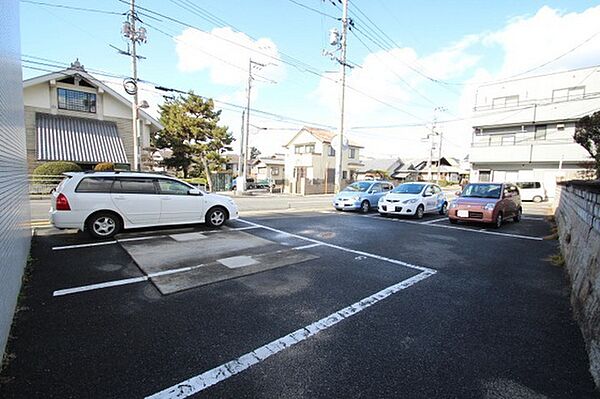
(413, 199)
(532, 191)
(104, 203)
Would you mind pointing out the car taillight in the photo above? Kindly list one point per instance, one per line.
(62, 203)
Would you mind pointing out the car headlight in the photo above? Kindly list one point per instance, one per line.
(489, 207)
(355, 197)
(410, 201)
(453, 204)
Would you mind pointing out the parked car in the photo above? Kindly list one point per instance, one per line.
(250, 183)
(532, 191)
(486, 202)
(414, 199)
(104, 203)
(361, 195)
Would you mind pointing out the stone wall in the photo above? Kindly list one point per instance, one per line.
(577, 211)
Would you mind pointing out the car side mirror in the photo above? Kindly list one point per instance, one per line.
(458, 193)
(194, 191)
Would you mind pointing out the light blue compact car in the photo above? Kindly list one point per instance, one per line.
(361, 195)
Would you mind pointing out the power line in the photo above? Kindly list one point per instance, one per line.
(39, 3)
(300, 65)
(393, 71)
(314, 10)
(205, 52)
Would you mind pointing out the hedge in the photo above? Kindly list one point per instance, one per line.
(105, 166)
(56, 168)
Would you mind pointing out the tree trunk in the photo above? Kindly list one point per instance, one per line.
(207, 171)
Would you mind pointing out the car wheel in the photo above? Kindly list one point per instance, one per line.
(499, 220)
(420, 212)
(365, 206)
(444, 208)
(216, 217)
(104, 225)
(453, 221)
(517, 217)
(537, 198)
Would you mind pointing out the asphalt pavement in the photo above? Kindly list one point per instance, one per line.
(383, 307)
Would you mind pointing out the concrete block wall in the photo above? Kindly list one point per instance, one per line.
(577, 212)
(15, 233)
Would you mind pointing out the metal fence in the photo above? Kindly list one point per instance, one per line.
(43, 184)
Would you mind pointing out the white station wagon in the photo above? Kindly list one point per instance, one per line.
(104, 203)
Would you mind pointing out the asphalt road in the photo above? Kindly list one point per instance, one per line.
(468, 312)
(262, 202)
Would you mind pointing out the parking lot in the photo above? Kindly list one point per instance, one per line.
(311, 304)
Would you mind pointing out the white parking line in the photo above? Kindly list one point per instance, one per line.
(125, 281)
(370, 255)
(218, 374)
(307, 246)
(96, 244)
(481, 231)
(137, 238)
(92, 244)
(434, 220)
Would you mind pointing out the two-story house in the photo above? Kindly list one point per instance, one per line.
(72, 116)
(271, 168)
(524, 127)
(310, 162)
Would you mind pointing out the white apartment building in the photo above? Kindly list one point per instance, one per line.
(524, 127)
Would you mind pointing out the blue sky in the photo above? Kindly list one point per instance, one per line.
(453, 41)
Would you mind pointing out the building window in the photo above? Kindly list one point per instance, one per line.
(540, 132)
(331, 151)
(508, 140)
(274, 171)
(352, 153)
(305, 149)
(344, 174)
(73, 100)
(568, 94)
(504, 102)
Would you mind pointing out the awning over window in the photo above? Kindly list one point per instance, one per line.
(81, 140)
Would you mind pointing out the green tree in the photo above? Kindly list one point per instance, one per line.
(254, 153)
(587, 134)
(192, 133)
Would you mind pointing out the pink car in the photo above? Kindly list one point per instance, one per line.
(487, 203)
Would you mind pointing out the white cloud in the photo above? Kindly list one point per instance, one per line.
(523, 43)
(528, 42)
(225, 54)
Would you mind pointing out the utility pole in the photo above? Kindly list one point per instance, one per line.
(131, 85)
(238, 186)
(339, 164)
(439, 158)
(429, 161)
(431, 146)
(245, 168)
(137, 153)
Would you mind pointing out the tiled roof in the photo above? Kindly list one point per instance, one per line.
(325, 136)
